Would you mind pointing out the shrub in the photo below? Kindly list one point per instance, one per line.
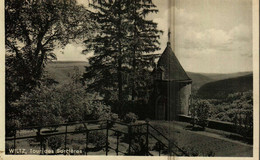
(54, 142)
(97, 138)
(238, 109)
(101, 111)
(200, 113)
(114, 117)
(241, 113)
(41, 106)
(243, 122)
(139, 145)
(138, 140)
(130, 118)
(54, 104)
(11, 127)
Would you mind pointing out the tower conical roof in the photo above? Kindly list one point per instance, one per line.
(170, 63)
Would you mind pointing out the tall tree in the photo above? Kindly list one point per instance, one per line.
(121, 48)
(143, 40)
(34, 28)
(106, 68)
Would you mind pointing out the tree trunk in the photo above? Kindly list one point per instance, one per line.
(134, 57)
(119, 71)
(120, 86)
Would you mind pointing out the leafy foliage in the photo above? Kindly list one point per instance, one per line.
(130, 118)
(13, 125)
(222, 88)
(53, 104)
(138, 140)
(236, 108)
(102, 112)
(139, 146)
(33, 29)
(200, 113)
(40, 107)
(97, 138)
(54, 142)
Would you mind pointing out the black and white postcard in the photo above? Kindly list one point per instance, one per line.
(129, 79)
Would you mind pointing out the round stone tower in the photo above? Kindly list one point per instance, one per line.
(172, 87)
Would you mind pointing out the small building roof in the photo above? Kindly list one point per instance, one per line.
(173, 70)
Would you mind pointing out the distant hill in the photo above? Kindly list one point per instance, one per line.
(220, 89)
(60, 70)
(199, 79)
(217, 76)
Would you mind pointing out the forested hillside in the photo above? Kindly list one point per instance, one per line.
(59, 71)
(220, 89)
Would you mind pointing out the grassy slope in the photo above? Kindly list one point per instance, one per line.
(202, 141)
(220, 89)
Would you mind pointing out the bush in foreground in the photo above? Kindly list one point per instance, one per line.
(130, 118)
(54, 142)
(200, 113)
(97, 138)
(55, 104)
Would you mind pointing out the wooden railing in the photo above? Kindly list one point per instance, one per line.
(108, 128)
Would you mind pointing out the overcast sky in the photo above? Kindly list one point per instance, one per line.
(211, 36)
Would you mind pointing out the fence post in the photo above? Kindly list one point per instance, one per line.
(129, 136)
(66, 130)
(14, 141)
(107, 139)
(117, 142)
(39, 136)
(159, 149)
(147, 138)
(87, 131)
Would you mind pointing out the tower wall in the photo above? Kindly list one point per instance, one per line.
(179, 97)
(174, 102)
(184, 96)
(176, 97)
